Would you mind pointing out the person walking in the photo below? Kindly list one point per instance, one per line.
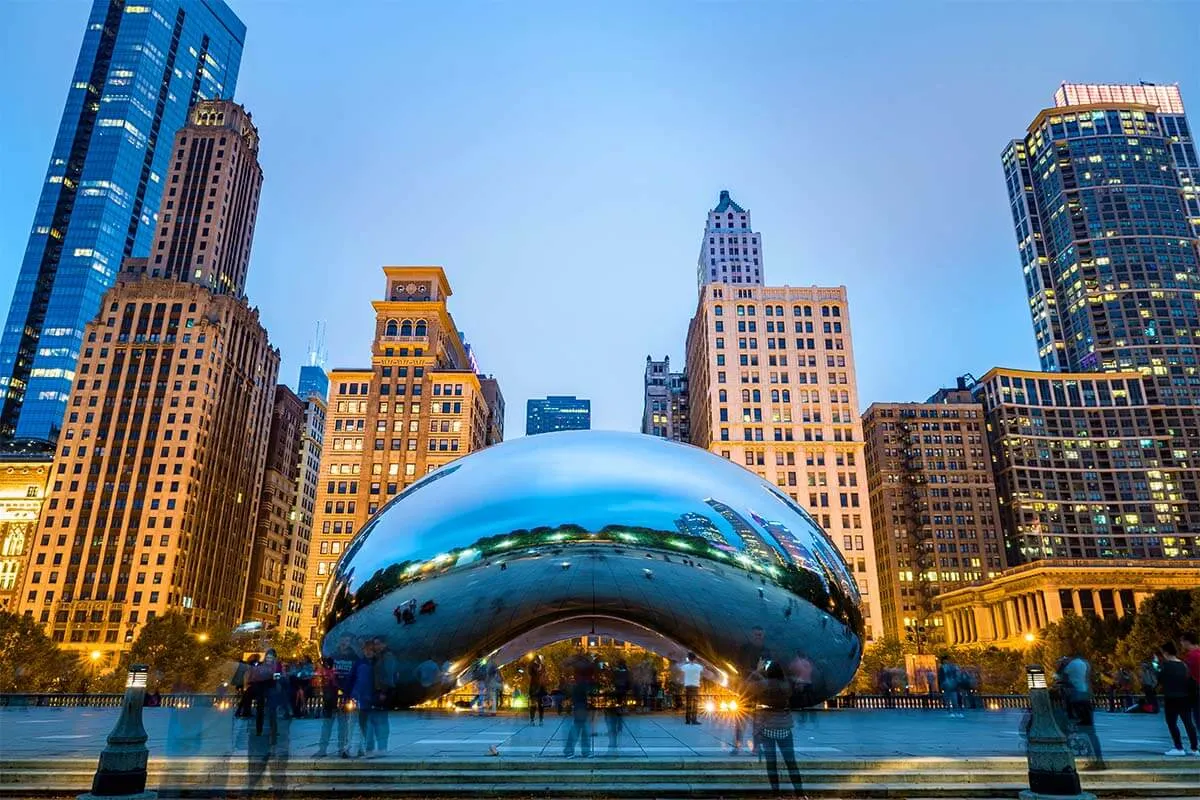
(363, 693)
(537, 689)
(383, 669)
(582, 671)
(337, 683)
(1148, 673)
(262, 685)
(1077, 676)
(615, 713)
(773, 724)
(1174, 680)
(1190, 655)
(429, 675)
(948, 676)
(692, 672)
(241, 682)
(749, 660)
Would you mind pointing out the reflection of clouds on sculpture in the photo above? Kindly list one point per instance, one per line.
(487, 525)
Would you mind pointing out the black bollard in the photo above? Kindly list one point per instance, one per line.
(122, 768)
(1051, 763)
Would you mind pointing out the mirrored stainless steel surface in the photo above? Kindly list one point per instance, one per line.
(532, 539)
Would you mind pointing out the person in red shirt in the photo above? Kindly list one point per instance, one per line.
(1190, 656)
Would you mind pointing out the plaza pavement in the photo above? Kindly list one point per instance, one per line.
(53, 733)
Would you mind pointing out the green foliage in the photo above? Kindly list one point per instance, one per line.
(177, 660)
(30, 662)
(1162, 617)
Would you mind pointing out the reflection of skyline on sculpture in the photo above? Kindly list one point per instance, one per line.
(584, 524)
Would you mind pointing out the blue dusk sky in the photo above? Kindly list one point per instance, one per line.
(558, 159)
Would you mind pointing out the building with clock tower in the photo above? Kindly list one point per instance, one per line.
(418, 406)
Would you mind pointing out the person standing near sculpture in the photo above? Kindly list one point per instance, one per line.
(537, 689)
(773, 722)
(749, 660)
(692, 672)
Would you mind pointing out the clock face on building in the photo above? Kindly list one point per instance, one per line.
(411, 291)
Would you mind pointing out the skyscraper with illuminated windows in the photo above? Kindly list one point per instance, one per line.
(1104, 196)
(140, 68)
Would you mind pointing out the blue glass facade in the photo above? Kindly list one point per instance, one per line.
(558, 413)
(313, 380)
(139, 69)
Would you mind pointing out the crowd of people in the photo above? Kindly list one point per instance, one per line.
(1172, 674)
(359, 679)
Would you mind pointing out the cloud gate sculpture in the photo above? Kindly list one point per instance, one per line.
(533, 540)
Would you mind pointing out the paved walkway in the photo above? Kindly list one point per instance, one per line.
(824, 735)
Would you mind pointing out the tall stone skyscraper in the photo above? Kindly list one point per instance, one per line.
(1104, 200)
(731, 251)
(772, 386)
(140, 68)
(156, 485)
(418, 406)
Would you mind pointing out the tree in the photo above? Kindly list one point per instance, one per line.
(29, 661)
(1086, 635)
(177, 659)
(1162, 617)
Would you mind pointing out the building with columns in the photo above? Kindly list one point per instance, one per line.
(24, 475)
(1012, 609)
(418, 406)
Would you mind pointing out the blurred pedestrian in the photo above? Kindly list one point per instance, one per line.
(537, 689)
(1174, 681)
(1189, 653)
(773, 724)
(1077, 677)
(336, 686)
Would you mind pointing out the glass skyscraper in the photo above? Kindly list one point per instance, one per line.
(558, 413)
(1100, 194)
(140, 68)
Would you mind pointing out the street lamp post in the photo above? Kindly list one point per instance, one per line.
(1051, 764)
(121, 772)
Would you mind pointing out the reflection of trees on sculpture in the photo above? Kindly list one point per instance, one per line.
(833, 599)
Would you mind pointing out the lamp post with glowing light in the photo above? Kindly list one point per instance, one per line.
(122, 768)
(1051, 763)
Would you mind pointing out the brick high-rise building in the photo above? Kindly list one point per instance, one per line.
(665, 402)
(274, 529)
(933, 506)
(771, 385)
(155, 491)
(417, 407)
